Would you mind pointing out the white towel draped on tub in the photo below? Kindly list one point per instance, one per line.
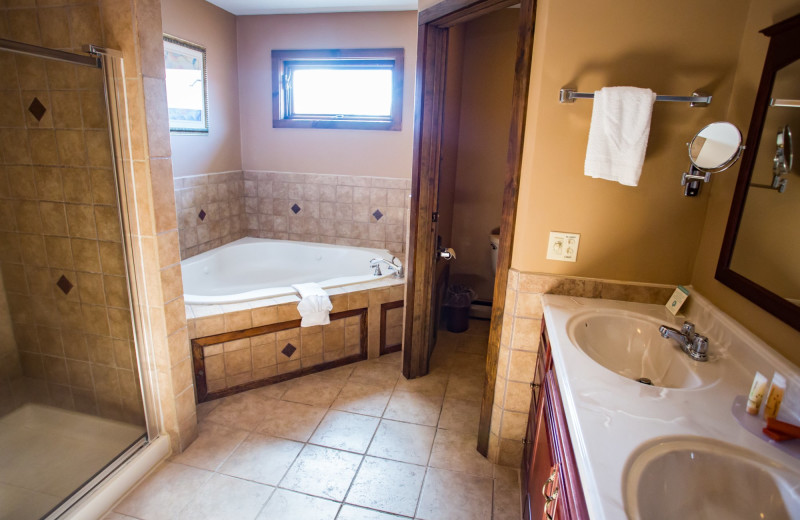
(618, 134)
(315, 305)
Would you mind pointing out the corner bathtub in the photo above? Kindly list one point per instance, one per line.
(257, 268)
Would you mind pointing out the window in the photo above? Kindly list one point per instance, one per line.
(187, 100)
(356, 88)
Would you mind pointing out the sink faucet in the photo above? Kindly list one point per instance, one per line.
(375, 264)
(695, 345)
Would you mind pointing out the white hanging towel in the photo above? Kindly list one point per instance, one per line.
(315, 305)
(618, 134)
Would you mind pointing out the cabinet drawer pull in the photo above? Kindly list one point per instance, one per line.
(551, 498)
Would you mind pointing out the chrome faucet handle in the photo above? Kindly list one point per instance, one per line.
(688, 330)
(699, 349)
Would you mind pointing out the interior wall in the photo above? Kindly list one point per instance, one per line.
(315, 150)
(490, 44)
(648, 233)
(207, 25)
(753, 48)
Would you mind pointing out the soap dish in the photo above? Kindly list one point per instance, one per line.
(754, 424)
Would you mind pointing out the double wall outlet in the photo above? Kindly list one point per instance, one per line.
(563, 246)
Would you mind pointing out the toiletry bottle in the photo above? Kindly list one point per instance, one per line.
(756, 394)
(775, 396)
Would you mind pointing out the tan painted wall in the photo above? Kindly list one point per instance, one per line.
(207, 25)
(753, 50)
(490, 44)
(351, 152)
(647, 233)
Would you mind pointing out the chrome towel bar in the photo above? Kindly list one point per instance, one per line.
(697, 99)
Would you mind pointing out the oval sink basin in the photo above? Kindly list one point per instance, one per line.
(694, 477)
(630, 345)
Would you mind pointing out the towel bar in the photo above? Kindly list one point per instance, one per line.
(697, 99)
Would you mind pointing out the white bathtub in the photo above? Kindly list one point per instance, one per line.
(257, 268)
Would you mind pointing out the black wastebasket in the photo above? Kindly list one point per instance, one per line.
(458, 300)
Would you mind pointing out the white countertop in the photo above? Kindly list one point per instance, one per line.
(610, 417)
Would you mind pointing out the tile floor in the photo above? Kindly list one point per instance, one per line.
(359, 442)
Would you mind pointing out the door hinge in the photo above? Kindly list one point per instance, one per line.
(435, 216)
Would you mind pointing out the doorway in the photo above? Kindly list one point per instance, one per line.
(427, 274)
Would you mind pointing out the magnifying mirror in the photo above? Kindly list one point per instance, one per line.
(784, 156)
(713, 149)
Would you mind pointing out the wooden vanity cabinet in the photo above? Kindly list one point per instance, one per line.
(551, 486)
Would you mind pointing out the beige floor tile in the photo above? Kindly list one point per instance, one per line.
(460, 415)
(287, 505)
(227, 497)
(395, 358)
(349, 512)
(474, 344)
(457, 451)
(468, 364)
(448, 495)
(213, 445)
(262, 458)
(345, 431)
(322, 472)
(339, 373)
(244, 411)
(432, 384)
(414, 408)
(507, 504)
(403, 442)
(203, 409)
(117, 516)
(274, 391)
(468, 387)
(363, 399)
(290, 420)
(164, 493)
(375, 373)
(316, 391)
(387, 485)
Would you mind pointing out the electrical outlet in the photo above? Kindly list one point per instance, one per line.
(563, 246)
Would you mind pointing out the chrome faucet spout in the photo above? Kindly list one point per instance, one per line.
(693, 344)
(376, 263)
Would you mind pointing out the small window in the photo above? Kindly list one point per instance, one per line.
(356, 88)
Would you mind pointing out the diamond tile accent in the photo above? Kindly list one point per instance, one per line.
(288, 350)
(295, 208)
(64, 284)
(202, 215)
(37, 109)
(377, 214)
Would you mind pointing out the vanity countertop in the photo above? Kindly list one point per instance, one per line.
(611, 417)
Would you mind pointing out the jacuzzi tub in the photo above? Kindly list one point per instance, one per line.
(257, 268)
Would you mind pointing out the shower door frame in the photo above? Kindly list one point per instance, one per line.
(111, 63)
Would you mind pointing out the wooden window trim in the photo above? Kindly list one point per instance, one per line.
(279, 102)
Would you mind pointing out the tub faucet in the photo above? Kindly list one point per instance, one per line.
(693, 344)
(375, 264)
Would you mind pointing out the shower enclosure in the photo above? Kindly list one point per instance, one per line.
(72, 370)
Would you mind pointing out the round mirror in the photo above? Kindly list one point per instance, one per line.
(716, 147)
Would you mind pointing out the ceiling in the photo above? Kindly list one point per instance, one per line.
(245, 7)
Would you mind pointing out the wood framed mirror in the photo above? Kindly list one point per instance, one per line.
(760, 257)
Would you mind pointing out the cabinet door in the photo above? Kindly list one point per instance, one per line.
(541, 471)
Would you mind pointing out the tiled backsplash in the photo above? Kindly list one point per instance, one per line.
(217, 208)
(210, 211)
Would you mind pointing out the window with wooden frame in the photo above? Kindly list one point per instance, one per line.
(337, 88)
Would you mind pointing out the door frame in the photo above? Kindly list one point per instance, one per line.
(434, 23)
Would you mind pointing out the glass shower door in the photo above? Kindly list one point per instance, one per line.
(70, 390)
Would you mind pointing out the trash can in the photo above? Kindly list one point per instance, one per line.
(458, 301)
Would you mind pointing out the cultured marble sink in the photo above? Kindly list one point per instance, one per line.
(630, 345)
(695, 477)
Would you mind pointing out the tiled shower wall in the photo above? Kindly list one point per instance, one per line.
(210, 211)
(62, 259)
(519, 344)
